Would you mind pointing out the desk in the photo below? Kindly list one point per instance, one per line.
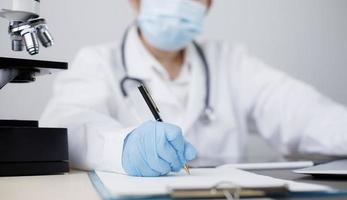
(76, 185)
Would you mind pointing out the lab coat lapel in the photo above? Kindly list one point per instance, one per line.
(196, 91)
(140, 65)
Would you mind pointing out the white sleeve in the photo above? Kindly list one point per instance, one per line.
(80, 103)
(290, 114)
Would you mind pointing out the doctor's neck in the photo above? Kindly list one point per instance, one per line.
(171, 61)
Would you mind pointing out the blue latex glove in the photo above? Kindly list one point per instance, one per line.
(155, 149)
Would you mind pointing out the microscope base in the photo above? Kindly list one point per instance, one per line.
(33, 168)
(26, 149)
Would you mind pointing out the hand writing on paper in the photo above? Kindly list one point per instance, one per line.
(155, 149)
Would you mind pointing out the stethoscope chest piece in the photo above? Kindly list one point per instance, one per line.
(207, 116)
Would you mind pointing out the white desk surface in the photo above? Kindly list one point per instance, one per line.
(75, 185)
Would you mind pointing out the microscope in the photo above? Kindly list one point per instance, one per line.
(26, 148)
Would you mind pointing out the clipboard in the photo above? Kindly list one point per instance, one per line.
(224, 190)
(228, 191)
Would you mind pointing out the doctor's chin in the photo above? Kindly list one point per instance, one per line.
(162, 98)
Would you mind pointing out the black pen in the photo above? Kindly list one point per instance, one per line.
(150, 102)
(155, 111)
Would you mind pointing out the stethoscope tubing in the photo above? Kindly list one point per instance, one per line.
(207, 107)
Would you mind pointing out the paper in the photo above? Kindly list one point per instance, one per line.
(270, 165)
(119, 185)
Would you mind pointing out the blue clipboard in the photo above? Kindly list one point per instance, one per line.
(106, 195)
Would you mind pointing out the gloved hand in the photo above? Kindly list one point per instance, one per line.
(155, 149)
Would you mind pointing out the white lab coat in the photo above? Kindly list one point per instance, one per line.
(289, 114)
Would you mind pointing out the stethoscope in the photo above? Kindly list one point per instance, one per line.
(208, 113)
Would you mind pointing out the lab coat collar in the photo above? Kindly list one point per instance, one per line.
(160, 89)
(196, 92)
(138, 59)
(142, 65)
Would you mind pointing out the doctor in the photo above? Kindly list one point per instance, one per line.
(209, 94)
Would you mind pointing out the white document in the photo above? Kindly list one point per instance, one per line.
(270, 165)
(120, 185)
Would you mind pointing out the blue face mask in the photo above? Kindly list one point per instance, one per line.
(170, 25)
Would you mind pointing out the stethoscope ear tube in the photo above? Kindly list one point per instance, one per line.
(207, 109)
(122, 86)
(123, 83)
(125, 66)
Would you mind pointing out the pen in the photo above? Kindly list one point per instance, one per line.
(155, 111)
